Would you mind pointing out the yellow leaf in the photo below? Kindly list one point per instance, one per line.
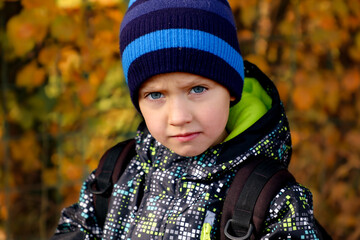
(69, 63)
(54, 86)
(107, 3)
(69, 3)
(259, 61)
(96, 148)
(20, 35)
(27, 29)
(48, 4)
(49, 176)
(30, 76)
(354, 53)
(64, 28)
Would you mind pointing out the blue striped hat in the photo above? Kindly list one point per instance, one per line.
(194, 36)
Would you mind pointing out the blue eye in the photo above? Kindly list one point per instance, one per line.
(198, 89)
(155, 95)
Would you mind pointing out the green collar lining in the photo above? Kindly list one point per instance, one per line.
(254, 103)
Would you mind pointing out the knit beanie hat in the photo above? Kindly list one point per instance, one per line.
(193, 36)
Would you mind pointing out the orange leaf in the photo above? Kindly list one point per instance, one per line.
(115, 15)
(70, 193)
(295, 138)
(87, 93)
(284, 90)
(303, 98)
(3, 210)
(105, 44)
(354, 53)
(28, 157)
(71, 170)
(300, 77)
(338, 192)
(351, 80)
(30, 76)
(48, 56)
(353, 138)
(97, 76)
(332, 92)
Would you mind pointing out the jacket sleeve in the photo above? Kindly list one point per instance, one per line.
(290, 215)
(79, 221)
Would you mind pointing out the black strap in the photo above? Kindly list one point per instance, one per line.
(78, 235)
(241, 226)
(117, 155)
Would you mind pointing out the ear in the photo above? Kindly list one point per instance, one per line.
(232, 98)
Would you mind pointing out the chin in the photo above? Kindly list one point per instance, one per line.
(188, 153)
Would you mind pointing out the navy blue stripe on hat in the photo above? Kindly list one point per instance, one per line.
(180, 18)
(134, 2)
(147, 7)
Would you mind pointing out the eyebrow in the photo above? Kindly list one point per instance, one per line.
(196, 81)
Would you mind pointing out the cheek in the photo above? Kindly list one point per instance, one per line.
(154, 124)
(216, 117)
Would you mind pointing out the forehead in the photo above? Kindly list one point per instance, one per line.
(175, 79)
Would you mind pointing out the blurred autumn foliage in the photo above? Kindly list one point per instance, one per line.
(63, 100)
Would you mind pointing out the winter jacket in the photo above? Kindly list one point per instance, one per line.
(162, 195)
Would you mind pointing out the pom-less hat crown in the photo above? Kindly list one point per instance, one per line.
(194, 36)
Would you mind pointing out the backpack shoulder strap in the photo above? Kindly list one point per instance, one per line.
(109, 170)
(249, 196)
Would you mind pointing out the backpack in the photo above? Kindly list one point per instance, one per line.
(244, 210)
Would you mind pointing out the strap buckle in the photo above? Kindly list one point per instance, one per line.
(231, 237)
(98, 192)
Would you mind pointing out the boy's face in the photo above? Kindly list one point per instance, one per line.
(186, 113)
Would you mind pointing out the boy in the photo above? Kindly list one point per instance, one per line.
(184, 70)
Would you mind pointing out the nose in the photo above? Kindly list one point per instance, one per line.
(179, 113)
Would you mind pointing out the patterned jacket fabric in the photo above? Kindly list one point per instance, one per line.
(162, 195)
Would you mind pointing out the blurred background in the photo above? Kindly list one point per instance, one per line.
(63, 100)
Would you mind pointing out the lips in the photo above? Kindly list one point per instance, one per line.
(186, 137)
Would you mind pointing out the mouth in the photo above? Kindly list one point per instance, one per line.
(186, 137)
